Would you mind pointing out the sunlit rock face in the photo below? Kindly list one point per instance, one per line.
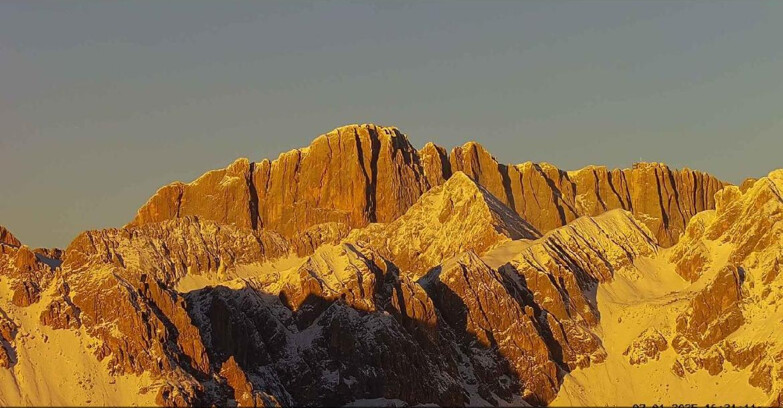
(457, 216)
(361, 270)
(547, 197)
(738, 250)
(361, 174)
(704, 315)
(353, 175)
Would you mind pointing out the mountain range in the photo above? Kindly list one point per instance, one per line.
(362, 271)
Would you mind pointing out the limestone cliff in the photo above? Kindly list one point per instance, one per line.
(700, 318)
(458, 216)
(360, 174)
(547, 197)
(362, 271)
(6, 238)
(738, 249)
(353, 175)
(444, 327)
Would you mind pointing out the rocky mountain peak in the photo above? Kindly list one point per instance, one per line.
(360, 270)
(7, 238)
(749, 225)
(435, 162)
(353, 175)
(427, 233)
(360, 174)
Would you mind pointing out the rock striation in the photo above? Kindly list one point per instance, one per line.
(360, 174)
(27, 270)
(563, 269)
(360, 270)
(172, 249)
(737, 249)
(6, 238)
(490, 307)
(424, 236)
(701, 317)
(547, 197)
(398, 311)
(353, 175)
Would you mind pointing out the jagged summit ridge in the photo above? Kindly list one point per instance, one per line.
(352, 175)
(359, 268)
(702, 314)
(447, 220)
(7, 238)
(747, 220)
(359, 174)
(664, 199)
(119, 288)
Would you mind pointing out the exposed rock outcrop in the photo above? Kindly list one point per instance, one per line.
(345, 317)
(547, 197)
(435, 161)
(26, 273)
(353, 314)
(7, 334)
(648, 346)
(172, 249)
(244, 394)
(360, 269)
(353, 175)
(27, 270)
(562, 271)
(715, 312)
(360, 174)
(492, 308)
(6, 238)
(737, 249)
(747, 184)
(458, 216)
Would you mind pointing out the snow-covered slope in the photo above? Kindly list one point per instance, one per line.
(699, 322)
(453, 299)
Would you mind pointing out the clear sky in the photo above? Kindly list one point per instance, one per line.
(101, 103)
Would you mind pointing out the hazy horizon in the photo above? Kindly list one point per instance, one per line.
(102, 103)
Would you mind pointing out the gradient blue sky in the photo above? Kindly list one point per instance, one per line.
(103, 102)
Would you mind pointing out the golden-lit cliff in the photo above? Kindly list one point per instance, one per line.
(362, 270)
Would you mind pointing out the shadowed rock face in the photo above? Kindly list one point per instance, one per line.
(398, 290)
(362, 331)
(488, 306)
(359, 174)
(562, 270)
